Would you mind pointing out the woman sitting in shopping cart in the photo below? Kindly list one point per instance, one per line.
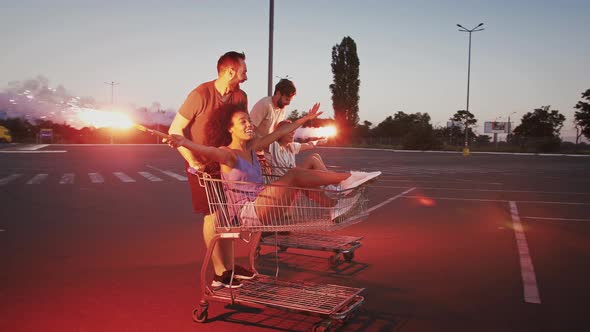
(236, 156)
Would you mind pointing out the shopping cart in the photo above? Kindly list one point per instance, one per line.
(342, 247)
(306, 210)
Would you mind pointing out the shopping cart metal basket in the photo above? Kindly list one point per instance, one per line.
(306, 210)
(342, 247)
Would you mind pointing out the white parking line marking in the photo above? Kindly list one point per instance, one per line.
(174, 175)
(490, 190)
(67, 178)
(559, 219)
(37, 179)
(389, 200)
(531, 292)
(123, 177)
(150, 176)
(495, 200)
(169, 173)
(33, 147)
(27, 151)
(96, 178)
(429, 181)
(9, 178)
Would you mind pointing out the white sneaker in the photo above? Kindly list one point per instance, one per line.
(358, 178)
(332, 187)
(344, 205)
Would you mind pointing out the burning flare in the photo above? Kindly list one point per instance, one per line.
(100, 119)
(319, 132)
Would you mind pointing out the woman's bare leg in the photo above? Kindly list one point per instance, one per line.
(272, 201)
(314, 161)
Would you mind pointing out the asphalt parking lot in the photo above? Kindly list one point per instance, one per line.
(97, 238)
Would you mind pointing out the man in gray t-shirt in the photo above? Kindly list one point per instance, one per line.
(269, 111)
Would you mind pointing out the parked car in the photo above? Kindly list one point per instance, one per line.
(5, 135)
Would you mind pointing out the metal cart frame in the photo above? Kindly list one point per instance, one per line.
(342, 246)
(301, 213)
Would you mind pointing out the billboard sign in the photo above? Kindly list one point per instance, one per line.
(495, 127)
(46, 133)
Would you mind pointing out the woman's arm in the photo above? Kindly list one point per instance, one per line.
(264, 141)
(306, 146)
(222, 156)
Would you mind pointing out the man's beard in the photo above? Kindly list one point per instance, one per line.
(280, 104)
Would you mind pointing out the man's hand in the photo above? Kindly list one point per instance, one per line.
(320, 141)
(314, 112)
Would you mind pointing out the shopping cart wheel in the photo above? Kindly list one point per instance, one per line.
(348, 256)
(200, 314)
(322, 326)
(335, 260)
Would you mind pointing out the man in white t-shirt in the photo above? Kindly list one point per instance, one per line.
(269, 111)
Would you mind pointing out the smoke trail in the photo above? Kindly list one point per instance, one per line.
(35, 100)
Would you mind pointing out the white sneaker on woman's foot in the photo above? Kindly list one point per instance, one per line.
(358, 178)
(344, 205)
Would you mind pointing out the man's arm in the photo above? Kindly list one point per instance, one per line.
(258, 115)
(264, 141)
(176, 128)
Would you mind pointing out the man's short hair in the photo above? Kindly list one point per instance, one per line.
(230, 59)
(285, 87)
(282, 123)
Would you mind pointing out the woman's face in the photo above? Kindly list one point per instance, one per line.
(241, 126)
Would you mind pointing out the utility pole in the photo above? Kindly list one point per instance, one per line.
(112, 84)
(463, 29)
(271, 21)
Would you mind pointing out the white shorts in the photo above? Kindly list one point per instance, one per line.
(248, 216)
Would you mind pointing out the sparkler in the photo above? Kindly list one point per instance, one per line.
(151, 131)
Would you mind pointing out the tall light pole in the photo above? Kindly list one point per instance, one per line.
(271, 21)
(463, 29)
(112, 84)
(509, 124)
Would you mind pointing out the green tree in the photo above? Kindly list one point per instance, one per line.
(345, 89)
(413, 130)
(468, 120)
(483, 139)
(363, 130)
(294, 115)
(582, 117)
(20, 129)
(539, 129)
(400, 124)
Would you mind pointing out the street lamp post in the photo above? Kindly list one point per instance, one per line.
(112, 84)
(463, 29)
(271, 21)
(509, 124)
(496, 134)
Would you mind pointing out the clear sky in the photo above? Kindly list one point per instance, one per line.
(412, 57)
